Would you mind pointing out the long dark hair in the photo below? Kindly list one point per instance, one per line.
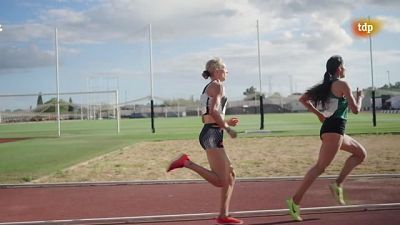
(319, 93)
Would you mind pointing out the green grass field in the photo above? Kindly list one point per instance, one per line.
(43, 153)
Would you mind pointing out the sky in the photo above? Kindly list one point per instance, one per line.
(105, 45)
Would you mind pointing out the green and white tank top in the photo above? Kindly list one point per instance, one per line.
(336, 107)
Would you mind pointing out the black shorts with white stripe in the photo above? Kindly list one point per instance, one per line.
(211, 136)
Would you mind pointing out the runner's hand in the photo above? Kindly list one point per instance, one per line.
(321, 118)
(233, 121)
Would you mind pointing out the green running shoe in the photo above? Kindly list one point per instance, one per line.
(294, 210)
(337, 192)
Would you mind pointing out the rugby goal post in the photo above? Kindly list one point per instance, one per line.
(93, 105)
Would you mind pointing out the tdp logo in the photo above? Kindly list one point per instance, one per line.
(366, 27)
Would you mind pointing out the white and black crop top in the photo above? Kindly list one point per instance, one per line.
(205, 102)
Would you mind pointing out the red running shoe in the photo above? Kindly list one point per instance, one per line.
(228, 220)
(179, 162)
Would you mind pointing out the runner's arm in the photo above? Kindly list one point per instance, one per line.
(306, 101)
(354, 103)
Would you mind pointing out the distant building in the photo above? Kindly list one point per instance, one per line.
(394, 102)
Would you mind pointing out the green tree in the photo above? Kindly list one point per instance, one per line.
(391, 86)
(39, 100)
(251, 93)
(70, 107)
(53, 104)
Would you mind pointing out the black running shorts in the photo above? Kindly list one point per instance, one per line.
(211, 136)
(333, 125)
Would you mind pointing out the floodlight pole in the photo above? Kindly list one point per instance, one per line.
(151, 81)
(57, 84)
(259, 76)
(372, 79)
(117, 111)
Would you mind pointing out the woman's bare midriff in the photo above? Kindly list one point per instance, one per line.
(208, 119)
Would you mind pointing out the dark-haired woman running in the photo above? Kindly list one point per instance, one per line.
(335, 97)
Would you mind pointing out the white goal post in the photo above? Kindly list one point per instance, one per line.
(95, 105)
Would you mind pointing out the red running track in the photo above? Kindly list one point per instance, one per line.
(108, 201)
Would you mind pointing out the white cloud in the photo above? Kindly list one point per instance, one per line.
(175, 19)
(25, 33)
(390, 24)
(297, 37)
(23, 58)
(325, 34)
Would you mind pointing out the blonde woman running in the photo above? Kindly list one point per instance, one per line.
(213, 103)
